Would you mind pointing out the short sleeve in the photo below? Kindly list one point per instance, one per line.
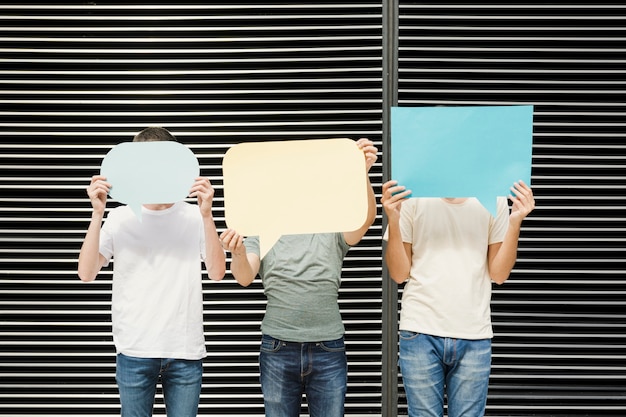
(500, 224)
(252, 245)
(343, 245)
(406, 220)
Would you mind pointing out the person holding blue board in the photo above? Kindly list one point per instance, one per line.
(448, 251)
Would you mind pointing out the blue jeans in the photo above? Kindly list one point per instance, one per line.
(430, 363)
(317, 369)
(137, 380)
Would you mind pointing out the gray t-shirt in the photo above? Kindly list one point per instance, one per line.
(301, 276)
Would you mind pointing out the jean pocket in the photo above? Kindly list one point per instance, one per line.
(337, 345)
(408, 335)
(270, 344)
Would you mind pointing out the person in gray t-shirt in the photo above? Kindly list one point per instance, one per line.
(302, 347)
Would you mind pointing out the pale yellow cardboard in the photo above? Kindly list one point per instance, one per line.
(294, 187)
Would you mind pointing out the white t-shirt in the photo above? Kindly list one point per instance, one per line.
(448, 293)
(157, 281)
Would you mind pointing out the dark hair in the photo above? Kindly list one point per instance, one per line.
(154, 134)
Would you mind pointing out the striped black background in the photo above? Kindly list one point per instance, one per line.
(78, 78)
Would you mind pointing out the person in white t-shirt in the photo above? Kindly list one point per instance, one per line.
(449, 250)
(156, 309)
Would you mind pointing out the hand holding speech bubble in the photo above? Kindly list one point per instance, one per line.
(155, 172)
(294, 187)
(477, 151)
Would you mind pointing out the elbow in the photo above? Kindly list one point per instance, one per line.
(398, 270)
(216, 274)
(500, 273)
(399, 279)
(244, 283)
(399, 276)
(245, 280)
(216, 266)
(86, 276)
(499, 278)
(216, 277)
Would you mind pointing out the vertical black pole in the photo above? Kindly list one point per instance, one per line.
(390, 288)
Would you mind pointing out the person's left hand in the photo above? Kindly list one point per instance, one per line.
(204, 192)
(523, 202)
(370, 151)
(232, 242)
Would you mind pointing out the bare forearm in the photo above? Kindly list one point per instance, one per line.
(89, 262)
(215, 257)
(398, 264)
(502, 260)
(242, 269)
(502, 263)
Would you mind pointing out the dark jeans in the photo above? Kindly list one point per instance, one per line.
(137, 380)
(317, 369)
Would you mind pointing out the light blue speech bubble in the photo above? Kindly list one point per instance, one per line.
(477, 151)
(156, 172)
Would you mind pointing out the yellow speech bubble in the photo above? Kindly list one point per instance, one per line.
(294, 187)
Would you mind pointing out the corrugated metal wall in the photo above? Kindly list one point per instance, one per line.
(76, 80)
(560, 321)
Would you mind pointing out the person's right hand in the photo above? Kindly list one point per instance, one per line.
(392, 198)
(97, 191)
